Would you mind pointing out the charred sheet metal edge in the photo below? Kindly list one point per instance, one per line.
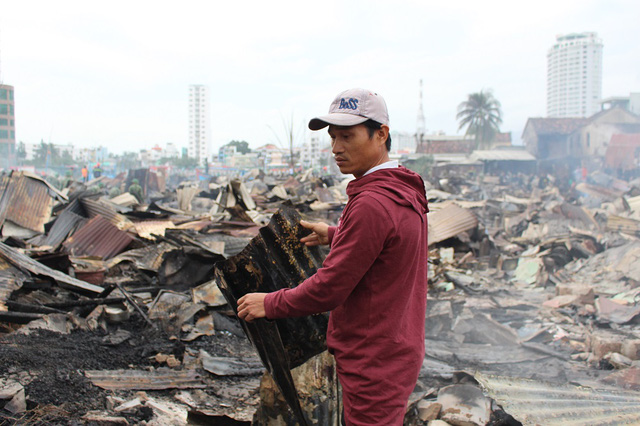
(24, 262)
(536, 402)
(272, 259)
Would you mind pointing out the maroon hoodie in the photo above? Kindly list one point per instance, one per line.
(374, 282)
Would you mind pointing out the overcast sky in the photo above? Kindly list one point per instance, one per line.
(117, 73)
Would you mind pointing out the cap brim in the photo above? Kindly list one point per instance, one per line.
(336, 119)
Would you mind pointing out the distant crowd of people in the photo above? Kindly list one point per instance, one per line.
(97, 172)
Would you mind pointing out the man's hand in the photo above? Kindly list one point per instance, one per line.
(251, 306)
(319, 236)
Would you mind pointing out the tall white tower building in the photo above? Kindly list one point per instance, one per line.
(199, 122)
(574, 75)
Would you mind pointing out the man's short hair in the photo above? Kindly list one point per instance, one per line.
(372, 126)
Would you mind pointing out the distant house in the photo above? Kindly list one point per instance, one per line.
(623, 152)
(592, 139)
(445, 144)
(548, 138)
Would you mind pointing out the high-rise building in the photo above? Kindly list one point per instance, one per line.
(199, 123)
(574, 75)
(7, 122)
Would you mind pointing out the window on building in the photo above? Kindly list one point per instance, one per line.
(4, 122)
(4, 94)
(4, 134)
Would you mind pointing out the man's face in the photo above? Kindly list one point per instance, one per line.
(354, 151)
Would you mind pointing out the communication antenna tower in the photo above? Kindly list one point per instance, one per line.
(420, 124)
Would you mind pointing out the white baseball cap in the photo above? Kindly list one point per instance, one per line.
(352, 107)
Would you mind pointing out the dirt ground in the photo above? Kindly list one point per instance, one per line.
(52, 365)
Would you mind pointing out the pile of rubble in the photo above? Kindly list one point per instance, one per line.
(111, 310)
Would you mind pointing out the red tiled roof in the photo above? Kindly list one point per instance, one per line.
(563, 126)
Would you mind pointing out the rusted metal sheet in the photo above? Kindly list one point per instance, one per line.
(98, 208)
(540, 403)
(24, 262)
(98, 237)
(162, 378)
(66, 224)
(449, 220)
(26, 201)
(273, 260)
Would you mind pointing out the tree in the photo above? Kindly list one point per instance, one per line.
(241, 146)
(46, 155)
(482, 116)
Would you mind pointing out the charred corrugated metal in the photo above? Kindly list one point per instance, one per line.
(11, 279)
(26, 201)
(98, 237)
(65, 225)
(24, 262)
(541, 403)
(274, 260)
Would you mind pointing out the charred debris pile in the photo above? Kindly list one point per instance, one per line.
(113, 311)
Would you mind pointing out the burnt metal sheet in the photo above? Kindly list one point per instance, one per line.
(541, 403)
(448, 221)
(24, 262)
(98, 237)
(65, 225)
(623, 224)
(149, 228)
(11, 279)
(273, 260)
(162, 378)
(107, 211)
(26, 201)
(147, 258)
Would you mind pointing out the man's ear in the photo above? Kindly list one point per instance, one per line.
(383, 132)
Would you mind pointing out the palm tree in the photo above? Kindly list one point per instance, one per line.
(482, 116)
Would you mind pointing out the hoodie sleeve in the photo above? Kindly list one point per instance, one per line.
(364, 229)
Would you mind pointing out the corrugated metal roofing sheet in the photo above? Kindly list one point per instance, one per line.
(148, 228)
(66, 223)
(502, 155)
(147, 258)
(22, 261)
(623, 224)
(273, 260)
(98, 237)
(539, 403)
(449, 220)
(25, 201)
(162, 378)
(98, 208)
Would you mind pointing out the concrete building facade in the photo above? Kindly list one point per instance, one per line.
(199, 123)
(7, 121)
(574, 75)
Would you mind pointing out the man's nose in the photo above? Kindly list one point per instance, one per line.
(336, 147)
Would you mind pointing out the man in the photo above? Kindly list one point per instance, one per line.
(85, 174)
(374, 280)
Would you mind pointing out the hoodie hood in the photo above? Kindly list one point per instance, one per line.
(401, 185)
